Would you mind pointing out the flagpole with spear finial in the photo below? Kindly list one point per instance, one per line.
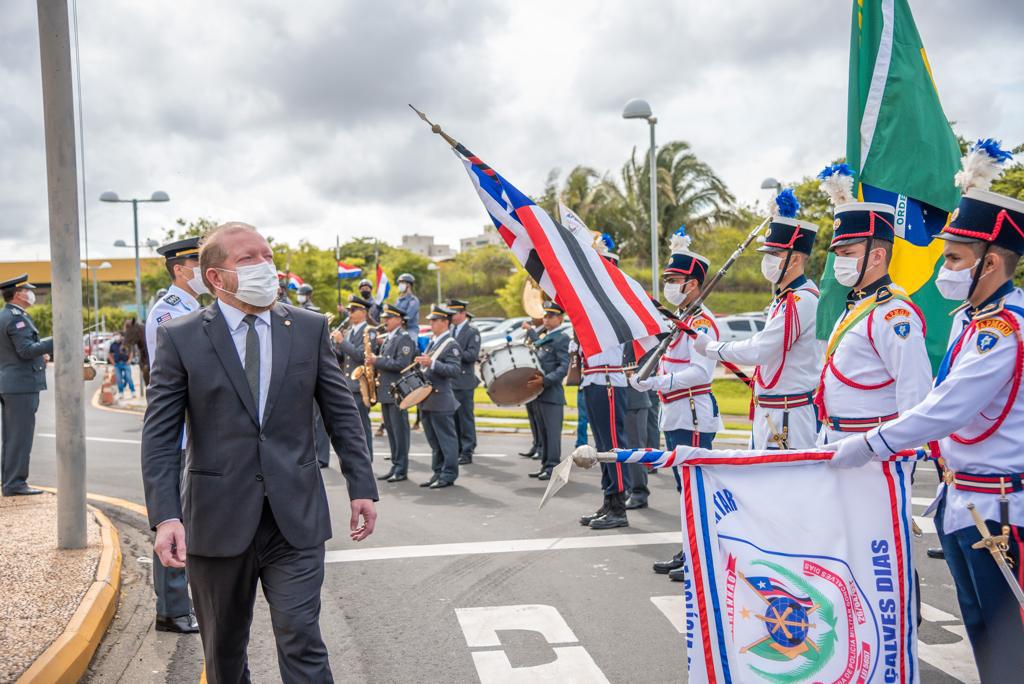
(435, 128)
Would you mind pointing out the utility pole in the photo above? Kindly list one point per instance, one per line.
(62, 189)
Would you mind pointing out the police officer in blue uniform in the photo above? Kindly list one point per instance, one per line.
(552, 347)
(396, 353)
(441, 363)
(463, 386)
(976, 411)
(22, 378)
(409, 303)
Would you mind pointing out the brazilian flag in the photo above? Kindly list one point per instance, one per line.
(900, 145)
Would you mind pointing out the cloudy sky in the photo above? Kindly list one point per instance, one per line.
(292, 116)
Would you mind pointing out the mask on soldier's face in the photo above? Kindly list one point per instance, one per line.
(403, 287)
(302, 299)
(30, 298)
(955, 285)
(365, 294)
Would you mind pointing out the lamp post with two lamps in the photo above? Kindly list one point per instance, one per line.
(640, 109)
(158, 196)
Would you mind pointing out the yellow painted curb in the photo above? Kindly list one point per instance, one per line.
(68, 657)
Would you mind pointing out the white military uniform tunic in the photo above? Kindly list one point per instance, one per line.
(175, 303)
(610, 359)
(682, 368)
(968, 402)
(884, 353)
(798, 368)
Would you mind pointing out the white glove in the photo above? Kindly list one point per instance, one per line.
(585, 456)
(701, 342)
(641, 385)
(851, 452)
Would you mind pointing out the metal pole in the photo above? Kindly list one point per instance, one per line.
(139, 314)
(94, 324)
(654, 211)
(66, 297)
(439, 284)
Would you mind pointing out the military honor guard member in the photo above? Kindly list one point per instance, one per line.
(689, 412)
(552, 348)
(876, 364)
(468, 339)
(22, 378)
(181, 259)
(351, 349)
(604, 389)
(976, 412)
(409, 303)
(441, 363)
(786, 353)
(397, 351)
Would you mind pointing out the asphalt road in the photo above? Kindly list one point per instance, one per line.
(502, 606)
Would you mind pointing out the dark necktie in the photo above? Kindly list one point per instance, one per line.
(252, 359)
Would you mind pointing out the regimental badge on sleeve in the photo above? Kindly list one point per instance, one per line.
(986, 342)
(702, 324)
(19, 325)
(163, 318)
(902, 329)
(172, 299)
(406, 350)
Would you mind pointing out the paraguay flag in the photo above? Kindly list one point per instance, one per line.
(607, 307)
(293, 281)
(346, 271)
(383, 290)
(900, 144)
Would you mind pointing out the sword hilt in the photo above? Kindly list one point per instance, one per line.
(994, 543)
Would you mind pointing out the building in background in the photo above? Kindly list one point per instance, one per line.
(424, 245)
(121, 272)
(490, 236)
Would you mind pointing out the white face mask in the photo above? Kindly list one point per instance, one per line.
(196, 284)
(302, 299)
(955, 285)
(771, 268)
(30, 298)
(257, 284)
(847, 270)
(673, 293)
(403, 287)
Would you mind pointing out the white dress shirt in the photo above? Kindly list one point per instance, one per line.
(238, 328)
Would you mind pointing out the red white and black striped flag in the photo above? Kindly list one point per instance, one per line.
(606, 306)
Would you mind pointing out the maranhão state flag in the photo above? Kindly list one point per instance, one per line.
(904, 154)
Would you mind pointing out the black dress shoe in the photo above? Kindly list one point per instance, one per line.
(465, 460)
(386, 476)
(636, 502)
(665, 567)
(23, 491)
(538, 473)
(528, 454)
(677, 575)
(937, 553)
(441, 484)
(609, 521)
(183, 624)
(536, 457)
(428, 483)
(397, 478)
(546, 475)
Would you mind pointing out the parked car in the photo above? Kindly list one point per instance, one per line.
(740, 326)
(498, 332)
(486, 323)
(519, 335)
(97, 344)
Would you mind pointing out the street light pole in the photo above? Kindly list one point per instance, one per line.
(640, 109)
(138, 268)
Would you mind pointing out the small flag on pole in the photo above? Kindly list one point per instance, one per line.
(383, 290)
(294, 281)
(346, 271)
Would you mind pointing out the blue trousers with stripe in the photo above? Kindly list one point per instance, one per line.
(615, 477)
(674, 438)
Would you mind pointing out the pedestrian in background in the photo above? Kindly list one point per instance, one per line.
(120, 354)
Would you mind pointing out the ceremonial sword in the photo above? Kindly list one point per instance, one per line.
(994, 544)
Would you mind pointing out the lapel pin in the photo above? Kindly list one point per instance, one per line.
(287, 323)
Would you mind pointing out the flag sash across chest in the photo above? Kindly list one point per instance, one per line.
(776, 595)
(607, 307)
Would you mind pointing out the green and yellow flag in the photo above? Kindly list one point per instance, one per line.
(901, 146)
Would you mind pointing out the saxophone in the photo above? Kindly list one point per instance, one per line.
(367, 374)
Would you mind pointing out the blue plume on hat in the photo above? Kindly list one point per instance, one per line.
(787, 204)
(837, 183)
(981, 165)
(608, 241)
(843, 169)
(680, 242)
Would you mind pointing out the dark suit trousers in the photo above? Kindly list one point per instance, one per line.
(396, 422)
(465, 422)
(636, 428)
(19, 427)
(224, 590)
(321, 442)
(439, 428)
(615, 477)
(550, 418)
(364, 415)
(171, 585)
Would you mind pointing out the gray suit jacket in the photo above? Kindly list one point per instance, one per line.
(234, 461)
(468, 340)
(446, 367)
(22, 368)
(396, 354)
(553, 353)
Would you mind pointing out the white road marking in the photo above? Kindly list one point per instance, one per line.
(673, 608)
(502, 546)
(111, 440)
(427, 453)
(480, 626)
(921, 501)
(933, 614)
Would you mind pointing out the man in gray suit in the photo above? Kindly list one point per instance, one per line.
(22, 378)
(440, 364)
(251, 504)
(351, 350)
(396, 353)
(549, 408)
(468, 339)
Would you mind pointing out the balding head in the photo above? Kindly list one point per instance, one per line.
(226, 248)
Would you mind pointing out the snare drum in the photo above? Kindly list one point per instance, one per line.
(505, 372)
(412, 388)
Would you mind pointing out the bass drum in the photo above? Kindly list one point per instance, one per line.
(505, 372)
(412, 388)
